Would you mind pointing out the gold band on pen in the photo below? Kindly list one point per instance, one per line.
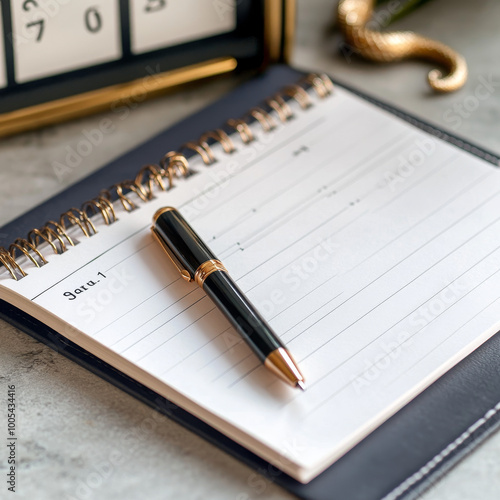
(206, 269)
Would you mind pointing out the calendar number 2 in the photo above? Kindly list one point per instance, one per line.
(28, 4)
(38, 24)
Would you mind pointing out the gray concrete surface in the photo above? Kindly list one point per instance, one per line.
(81, 438)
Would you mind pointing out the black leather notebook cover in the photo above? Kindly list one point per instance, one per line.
(397, 460)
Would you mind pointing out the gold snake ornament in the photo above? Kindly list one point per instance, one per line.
(353, 16)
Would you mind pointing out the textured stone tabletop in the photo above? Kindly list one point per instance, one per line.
(80, 437)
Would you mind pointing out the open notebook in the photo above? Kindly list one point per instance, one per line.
(369, 245)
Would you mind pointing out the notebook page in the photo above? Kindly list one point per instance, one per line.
(368, 245)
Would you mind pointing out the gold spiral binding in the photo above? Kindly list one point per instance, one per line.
(281, 107)
(78, 221)
(264, 118)
(150, 176)
(221, 137)
(100, 205)
(241, 126)
(320, 83)
(158, 177)
(85, 219)
(11, 265)
(299, 94)
(124, 188)
(175, 164)
(60, 230)
(203, 149)
(49, 236)
(27, 249)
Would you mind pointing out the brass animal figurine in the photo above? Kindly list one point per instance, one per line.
(353, 16)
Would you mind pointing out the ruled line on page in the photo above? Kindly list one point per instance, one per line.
(314, 197)
(416, 308)
(420, 181)
(242, 377)
(406, 258)
(361, 215)
(160, 313)
(192, 304)
(89, 262)
(446, 204)
(252, 185)
(451, 335)
(385, 148)
(412, 336)
(378, 337)
(397, 291)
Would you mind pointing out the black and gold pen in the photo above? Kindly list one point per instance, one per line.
(196, 262)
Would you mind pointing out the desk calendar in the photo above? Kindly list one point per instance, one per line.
(65, 58)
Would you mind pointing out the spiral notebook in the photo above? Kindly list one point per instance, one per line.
(367, 242)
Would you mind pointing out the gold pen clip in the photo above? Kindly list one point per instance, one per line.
(184, 272)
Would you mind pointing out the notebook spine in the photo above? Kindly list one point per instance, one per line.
(161, 177)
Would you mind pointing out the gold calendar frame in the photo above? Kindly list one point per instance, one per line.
(279, 24)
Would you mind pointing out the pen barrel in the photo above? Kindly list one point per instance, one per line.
(188, 248)
(241, 314)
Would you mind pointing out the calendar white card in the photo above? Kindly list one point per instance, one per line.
(156, 24)
(3, 71)
(50, 37)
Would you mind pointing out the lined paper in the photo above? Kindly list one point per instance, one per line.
(368, 245)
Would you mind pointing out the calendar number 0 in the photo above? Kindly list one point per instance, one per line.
(93, 20)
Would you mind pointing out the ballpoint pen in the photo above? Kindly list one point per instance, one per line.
(196, 262)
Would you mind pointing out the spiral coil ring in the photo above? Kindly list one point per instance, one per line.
(29, 250)
(158, 177)
(221, 137)
(100, 205)
(83, 223)
(203, 149)
(241, 126)
(148, 177)
(11, 265)
(175, 165)
(320, 83)
(299, 94)
(281, 107)
(264, 118)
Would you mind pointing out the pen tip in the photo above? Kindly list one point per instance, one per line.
(300, 385)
